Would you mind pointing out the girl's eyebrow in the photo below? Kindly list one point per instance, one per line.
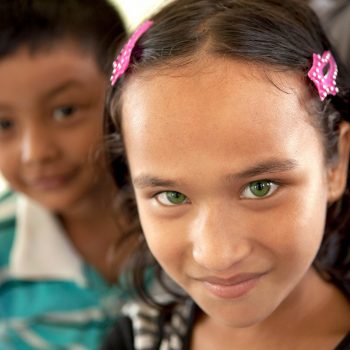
(144, 180)
(268, 167)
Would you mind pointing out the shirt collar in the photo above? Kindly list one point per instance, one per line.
(41, 249)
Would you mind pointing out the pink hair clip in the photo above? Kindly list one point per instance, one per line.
(121, 63)
(325, 82)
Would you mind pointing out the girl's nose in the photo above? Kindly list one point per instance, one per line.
(218, 242)
(37, 146)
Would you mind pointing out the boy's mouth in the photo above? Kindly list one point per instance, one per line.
(51, 182)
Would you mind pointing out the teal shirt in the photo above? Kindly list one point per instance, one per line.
(50, 312)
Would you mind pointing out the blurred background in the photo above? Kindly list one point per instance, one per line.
(133, 12)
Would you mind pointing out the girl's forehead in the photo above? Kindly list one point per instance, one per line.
(210, 84)
(215, 70)
(229, 105)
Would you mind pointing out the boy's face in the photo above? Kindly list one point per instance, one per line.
(51, 108)
(230, 183)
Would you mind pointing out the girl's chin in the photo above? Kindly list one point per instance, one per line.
(233, 315)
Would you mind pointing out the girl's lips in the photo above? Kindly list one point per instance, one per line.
(232, 287)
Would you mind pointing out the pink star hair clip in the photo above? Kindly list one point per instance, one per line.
(324, 74)
(121, 63)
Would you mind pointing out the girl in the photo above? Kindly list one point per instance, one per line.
(56, 223)
(235, 121)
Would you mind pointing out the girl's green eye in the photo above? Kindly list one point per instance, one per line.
(63, 112)
(171, 198)
(259, 189)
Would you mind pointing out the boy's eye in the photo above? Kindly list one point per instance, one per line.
(259, 189)
(63, 112)
(5, 124)
(171, 198)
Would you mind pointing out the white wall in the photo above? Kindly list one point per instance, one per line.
(2, 184)
(135, 11)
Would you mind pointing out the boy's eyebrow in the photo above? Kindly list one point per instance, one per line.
(61, 87)
(4, 107)
(264, 168)
(52, 92)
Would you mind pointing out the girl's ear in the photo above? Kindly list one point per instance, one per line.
(337, 174)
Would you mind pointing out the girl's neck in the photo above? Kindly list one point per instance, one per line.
(315, 316)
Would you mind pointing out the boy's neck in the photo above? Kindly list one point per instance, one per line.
(96, 203)
(91, 226)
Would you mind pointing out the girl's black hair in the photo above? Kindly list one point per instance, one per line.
(276, 33)
(94, 25)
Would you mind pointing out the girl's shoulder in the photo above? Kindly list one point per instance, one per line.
(143, 326)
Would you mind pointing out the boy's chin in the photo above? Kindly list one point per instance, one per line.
(59, 202)
(56, 204)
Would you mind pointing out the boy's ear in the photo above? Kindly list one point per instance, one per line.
(337, 174)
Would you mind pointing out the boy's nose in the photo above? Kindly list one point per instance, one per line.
(37, 146)
(218, 243)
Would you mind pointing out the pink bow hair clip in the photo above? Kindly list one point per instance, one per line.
(121, 63)
(325, 81)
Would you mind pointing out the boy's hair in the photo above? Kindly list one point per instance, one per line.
(279, 34)
(94, 25)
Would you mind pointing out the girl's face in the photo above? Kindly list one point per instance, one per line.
(230, 183)
(51, 107)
